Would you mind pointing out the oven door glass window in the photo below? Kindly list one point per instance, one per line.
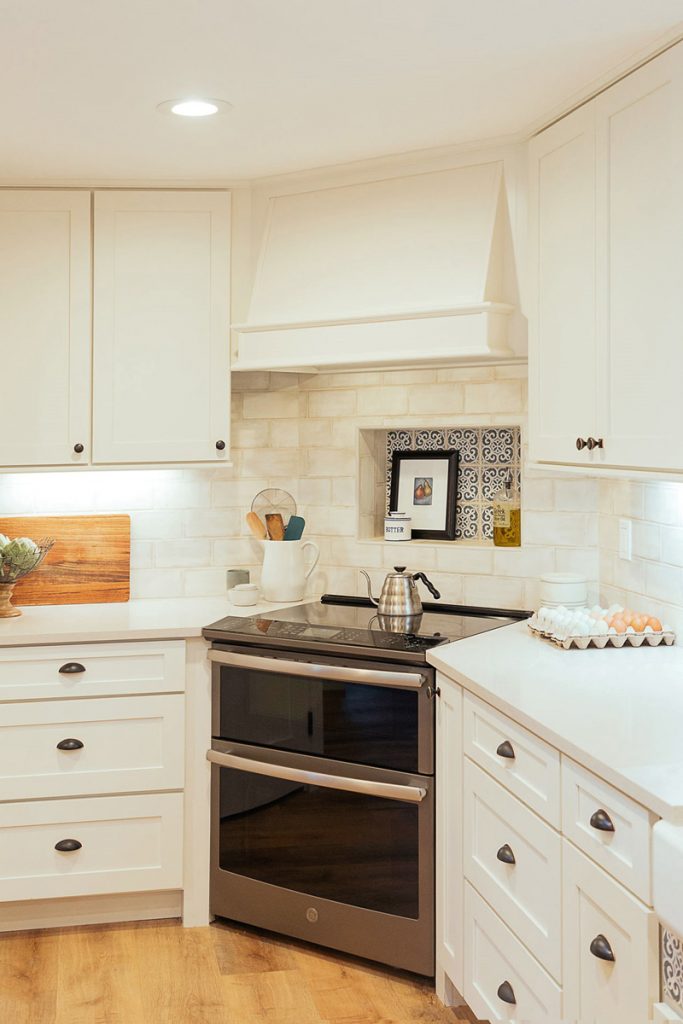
(359, 723)
(356, 849)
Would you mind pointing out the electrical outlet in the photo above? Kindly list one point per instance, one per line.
(625, 540)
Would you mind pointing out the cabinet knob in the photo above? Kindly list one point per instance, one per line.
(78, 448)
(70, 744)
(220, 445)
(68, 845)
(601, 948)
(71, 668)
(602, 821)
(506, 855)
(507, 993)
(505, 749)
(593, 442)
(581, 444)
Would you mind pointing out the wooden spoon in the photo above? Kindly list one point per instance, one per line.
(276, 526)
(256, 526)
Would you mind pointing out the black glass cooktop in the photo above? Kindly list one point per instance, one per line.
(353, 624)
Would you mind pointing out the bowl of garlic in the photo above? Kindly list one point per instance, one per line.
(600, 627)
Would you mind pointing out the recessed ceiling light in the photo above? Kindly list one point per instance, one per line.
(194, 107)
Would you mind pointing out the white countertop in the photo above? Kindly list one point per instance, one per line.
(167, 618)
(618, 712)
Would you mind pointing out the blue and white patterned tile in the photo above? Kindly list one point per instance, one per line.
(430, 440)
(498, 445)
(467, 443)
(399, 440)
(492, 479)
(486, 521)
(467, 522)
(671, 960)
(468, 483)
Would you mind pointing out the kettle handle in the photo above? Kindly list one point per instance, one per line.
(430, 586)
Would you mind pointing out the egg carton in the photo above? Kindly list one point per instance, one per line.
(602, 640)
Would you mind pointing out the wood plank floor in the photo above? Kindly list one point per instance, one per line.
(160, 973)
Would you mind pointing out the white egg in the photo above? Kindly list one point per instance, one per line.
(600, 627)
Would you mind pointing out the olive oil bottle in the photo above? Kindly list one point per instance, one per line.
(507, 516)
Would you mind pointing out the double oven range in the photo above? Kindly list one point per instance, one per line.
(323, 733)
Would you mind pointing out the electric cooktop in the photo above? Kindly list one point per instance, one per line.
(351, 626)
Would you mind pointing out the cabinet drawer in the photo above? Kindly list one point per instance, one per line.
(531, 769)
(92, 670)
(514, 860)
(498, 969)
(127, 844)
(619, 837)
(83, 747)
(603, 921)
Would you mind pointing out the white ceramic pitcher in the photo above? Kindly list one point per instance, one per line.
(284, 574)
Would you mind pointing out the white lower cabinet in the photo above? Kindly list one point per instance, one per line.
(515, 861)
(60, 848)
(610, 947)
(503, 981)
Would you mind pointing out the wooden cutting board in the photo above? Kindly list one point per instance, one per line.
(89, 564)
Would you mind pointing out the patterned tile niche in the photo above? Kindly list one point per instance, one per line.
(671, 962)
(486, 455)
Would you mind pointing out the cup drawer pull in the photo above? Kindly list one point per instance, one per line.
(602, 821)
(70, 744)
(506, 855)
(601, 948)
(68, 845)
(71, 668)
(505, 749)
(507, 993)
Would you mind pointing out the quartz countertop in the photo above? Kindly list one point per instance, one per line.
(165, 618)
(618, 712)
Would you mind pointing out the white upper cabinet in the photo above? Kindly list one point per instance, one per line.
(45, 327)
(161, 327)
(562, 336)
(640, 252)
(606, 357)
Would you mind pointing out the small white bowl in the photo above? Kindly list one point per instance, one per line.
(567, 588)
(244, 594)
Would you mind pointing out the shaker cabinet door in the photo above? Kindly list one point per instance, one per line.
(45, 327)
(562, 328)
(161, 327)
(640, 265)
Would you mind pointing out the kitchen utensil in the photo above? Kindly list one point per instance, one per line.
(399, 594)
(397, 526)
(244, 594)
(284, 573)
(256, 526)
(274, 500)
(275, 526)
(89, 563)
(295, 528)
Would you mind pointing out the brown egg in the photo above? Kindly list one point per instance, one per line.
(654, 624)
(639, 622)
(618, 624)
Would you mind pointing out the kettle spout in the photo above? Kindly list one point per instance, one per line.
(372, 599)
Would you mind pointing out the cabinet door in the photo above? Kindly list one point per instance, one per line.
(640, 267)
(562, 328)
(610, 947)
(162, 327)
(45, 327)
(449, 821)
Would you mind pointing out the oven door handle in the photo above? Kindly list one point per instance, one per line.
(407, 794)
(337, 673)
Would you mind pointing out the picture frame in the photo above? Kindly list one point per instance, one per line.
(424, 485)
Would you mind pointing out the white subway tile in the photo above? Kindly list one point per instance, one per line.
(646, 539)
(537, 494)
(664, 503)
(236, 552)
(331, 403)
(270, 462)
(410, 376)
(664, 582)
(576, 494)
(348, 552)
(494, 591)
(285, 433)
(498, 396)
(150, 525)
(205, 583)
(274, 405)
(250, 434)
(457, 558)
(526, 561)
(151, 583)
(236, 493)
(671, 545)
(141, 554)
(383, 401)
(444, 399)
(344, 491)
(181, 553)
(314, 491)
(461, 374)
(329, 462)
(212, 522)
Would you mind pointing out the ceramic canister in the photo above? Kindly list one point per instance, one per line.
(397, 526)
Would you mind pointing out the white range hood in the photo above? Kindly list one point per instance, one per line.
(402, 271)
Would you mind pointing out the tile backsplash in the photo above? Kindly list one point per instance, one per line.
(487, 454)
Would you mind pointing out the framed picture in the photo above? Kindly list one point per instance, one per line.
(424, 486)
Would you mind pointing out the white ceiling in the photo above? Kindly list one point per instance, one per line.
(313, 82)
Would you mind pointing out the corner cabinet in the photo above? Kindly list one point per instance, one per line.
(133, 341)
(606, 242)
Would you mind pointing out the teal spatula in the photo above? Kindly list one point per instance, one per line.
(295, 528)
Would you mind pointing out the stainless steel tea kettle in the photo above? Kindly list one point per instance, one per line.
(400, 595)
